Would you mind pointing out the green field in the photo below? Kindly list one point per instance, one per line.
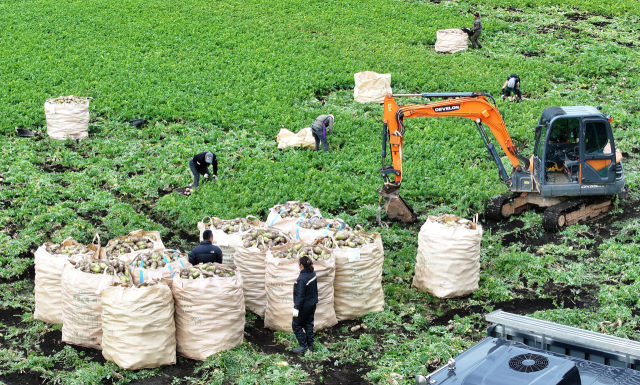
(226, 76)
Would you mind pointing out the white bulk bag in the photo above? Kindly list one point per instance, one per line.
(451, 40)
(281, 219)
(304, 138)
(47, 291)
(67, 117)
(210, 315)
(281, 275)
(138, 328)
(358, 281)
(250, 262)
(371, 87)
(316, 228)
(164, 274)
(448, 261)
(227, 242)
(81, 306)
(113, 246)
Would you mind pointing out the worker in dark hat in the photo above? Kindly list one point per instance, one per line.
(321, 127)
(199, 165)
(476, 30)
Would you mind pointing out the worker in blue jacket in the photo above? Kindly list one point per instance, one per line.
(305, 299)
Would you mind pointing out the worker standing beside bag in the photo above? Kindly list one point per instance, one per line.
(305, 299)
(282, 272)
(475, 31)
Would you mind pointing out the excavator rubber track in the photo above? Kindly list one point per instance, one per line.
(495, 204)
(557, 217)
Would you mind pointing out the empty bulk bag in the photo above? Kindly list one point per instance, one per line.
(304, 138)
(371, 87)
(451, 40)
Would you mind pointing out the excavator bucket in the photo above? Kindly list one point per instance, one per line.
(395, 207)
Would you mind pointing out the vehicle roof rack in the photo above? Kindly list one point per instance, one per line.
(546, 335)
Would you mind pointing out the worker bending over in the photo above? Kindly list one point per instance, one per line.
(321, 127)
(511, 85)
(199, 165)
(305, 298)
(205, 252)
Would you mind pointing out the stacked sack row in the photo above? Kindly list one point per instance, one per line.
(137, 301)
(142, 303)
(348, 263)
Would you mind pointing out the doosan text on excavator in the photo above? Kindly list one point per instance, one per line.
(575, 171)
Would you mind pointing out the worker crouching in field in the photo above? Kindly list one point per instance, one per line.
(305, 298)
(321, 127)
(206, 251)
(199, 165)
(511, 85)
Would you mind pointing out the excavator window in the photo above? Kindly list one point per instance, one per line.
(565, 131)
(596, 138)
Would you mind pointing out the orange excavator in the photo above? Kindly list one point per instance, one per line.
(575, 172)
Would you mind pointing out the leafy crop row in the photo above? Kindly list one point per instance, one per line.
(226, 76)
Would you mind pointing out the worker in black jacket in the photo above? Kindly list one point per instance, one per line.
(305, 298)
(206, 251)
(199, 165)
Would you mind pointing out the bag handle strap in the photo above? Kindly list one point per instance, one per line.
(96, 236)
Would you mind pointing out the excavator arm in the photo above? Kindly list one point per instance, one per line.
(471, 105)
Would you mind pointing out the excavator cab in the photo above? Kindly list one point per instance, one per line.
(575, 154)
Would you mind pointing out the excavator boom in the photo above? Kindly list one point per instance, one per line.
(471, 105)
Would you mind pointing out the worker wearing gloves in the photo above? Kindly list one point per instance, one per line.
(321, 127)
(305, 298)
(511, 85)
(475, 31)
(206, 251)
(199, 165)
